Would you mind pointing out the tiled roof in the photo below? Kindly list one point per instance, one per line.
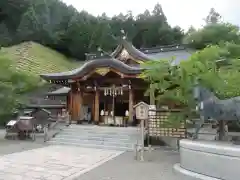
(60, 91)
(134, 52)
(176, 52)
(90, 65)
(177, 56)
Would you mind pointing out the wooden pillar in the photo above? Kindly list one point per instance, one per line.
(75, 107)
(70, 104)
(67, 102)
(80, 107)
(96, 107)
(93, 108)
(76, 103)
(130, 105)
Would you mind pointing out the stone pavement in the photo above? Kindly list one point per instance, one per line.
(52, 163)
(17, 158)
(158, 166)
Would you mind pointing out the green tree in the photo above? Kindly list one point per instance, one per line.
(213, 34)
(175, 83)
(213, 17)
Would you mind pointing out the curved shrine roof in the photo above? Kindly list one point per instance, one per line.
(91, 65)
(60, 91)
(134, 52)
(177, 52)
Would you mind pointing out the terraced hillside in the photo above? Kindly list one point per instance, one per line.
(36, 59)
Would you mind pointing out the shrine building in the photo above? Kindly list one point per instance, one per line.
(106, 87)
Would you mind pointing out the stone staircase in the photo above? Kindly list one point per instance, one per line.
(116, 138)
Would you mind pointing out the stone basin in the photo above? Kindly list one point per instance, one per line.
(208, 160)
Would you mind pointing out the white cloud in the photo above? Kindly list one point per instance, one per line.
(179, 12)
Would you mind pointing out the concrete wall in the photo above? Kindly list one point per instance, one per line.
(208, 160)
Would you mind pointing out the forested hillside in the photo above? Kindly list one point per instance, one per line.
(63, 28)
(36, 59)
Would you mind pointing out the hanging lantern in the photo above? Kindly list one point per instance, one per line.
(126, 113)
(105, 92)
(102, 113)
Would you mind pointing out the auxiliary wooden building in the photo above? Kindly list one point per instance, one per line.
(106, 87)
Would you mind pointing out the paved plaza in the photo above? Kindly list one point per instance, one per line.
(34, 160)
(158, 165)
(52, 163)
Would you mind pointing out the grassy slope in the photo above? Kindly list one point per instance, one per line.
(36, 59)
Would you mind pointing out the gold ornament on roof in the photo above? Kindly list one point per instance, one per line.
(102, 71)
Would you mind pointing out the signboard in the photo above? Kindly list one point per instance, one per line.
(141, 110)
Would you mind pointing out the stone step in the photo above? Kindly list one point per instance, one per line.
(118, 138)
(103, 135)
(95, 132)
(103, 131)
(99, 128)
(97, 138)
(92, 146)
(86, 141)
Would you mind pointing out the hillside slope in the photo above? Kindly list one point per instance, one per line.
(36, 59)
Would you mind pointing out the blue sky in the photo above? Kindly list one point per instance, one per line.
(179, 12)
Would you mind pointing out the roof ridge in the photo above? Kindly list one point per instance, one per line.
(161, 46)
(133, 51)
(164, 49)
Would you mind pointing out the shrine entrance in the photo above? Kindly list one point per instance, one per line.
(115, 107)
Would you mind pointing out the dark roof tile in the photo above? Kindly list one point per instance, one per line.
(91, 65)
(60, 91)
(178, 56)
(135, 53)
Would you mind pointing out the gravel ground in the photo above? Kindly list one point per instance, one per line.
(157, 166)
